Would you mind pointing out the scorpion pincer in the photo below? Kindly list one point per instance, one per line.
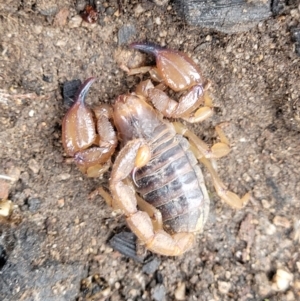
(156, 178)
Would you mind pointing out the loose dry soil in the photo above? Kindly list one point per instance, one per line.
(57, 237)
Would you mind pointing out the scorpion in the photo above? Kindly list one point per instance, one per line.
(155, 178)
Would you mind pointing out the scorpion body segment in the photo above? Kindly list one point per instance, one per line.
(171, 181)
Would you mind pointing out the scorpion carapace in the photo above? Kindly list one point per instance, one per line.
(156, 178)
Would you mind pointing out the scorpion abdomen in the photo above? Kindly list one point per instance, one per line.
(173, 183)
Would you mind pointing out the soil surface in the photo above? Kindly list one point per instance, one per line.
(54, 246)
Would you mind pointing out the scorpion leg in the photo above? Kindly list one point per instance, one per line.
(203, 112)
(186, 106)
(139, 222)
(218, 150)
(202, 152)
(102, 192)
(153, 213)
(227, 196)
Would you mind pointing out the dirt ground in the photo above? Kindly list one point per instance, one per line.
(55, 245)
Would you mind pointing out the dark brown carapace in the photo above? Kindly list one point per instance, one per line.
(156, 178)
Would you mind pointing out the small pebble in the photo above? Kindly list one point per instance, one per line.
(80, 5)
(290, 296)
(31, 113)
(60, 43)
(61, 203)
(63, 176)
(4, 189)
(138, 9)
(37, 29)
(297, 285)
(47, 9)
(110, 11)
(160, 2)
(34, 204)
(296, 232)
(208, 38)
(75, 22)
(157, 20)
(34, 166)
(151, 266)
(267, 227)
(224, 287)
(159, 293)
(6, 208)
(264, 287)
(14, 173)
(125, 33)
(282, 280)
(180, 291)
(61, 17)
(281, 221)
(266, 204)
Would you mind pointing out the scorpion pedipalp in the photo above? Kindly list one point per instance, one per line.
(90, 143)
(176, 69)
(78, 130)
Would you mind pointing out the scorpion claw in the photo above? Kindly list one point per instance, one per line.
(78, 131)
(177, 70)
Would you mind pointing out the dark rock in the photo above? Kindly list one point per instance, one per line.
(80, 5)
(151, 266)
(159, 293)
(110, 11)
(125, 243)
(3, 257)
(69, 90)
(125, 33)
(278, 7)
(296, 38)
(25, 276)
(34, 204)
(228, 16)
(47, 78)
(159, 277)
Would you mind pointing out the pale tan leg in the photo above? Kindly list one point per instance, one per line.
(141, 70)
(227, 196)
(139, 222)
(202, 152)
(202, 113)
(96, 171)
(144, 86)
(182, 109)
(103, 193)
(218, 150)
(159, 241)
(154, 214)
